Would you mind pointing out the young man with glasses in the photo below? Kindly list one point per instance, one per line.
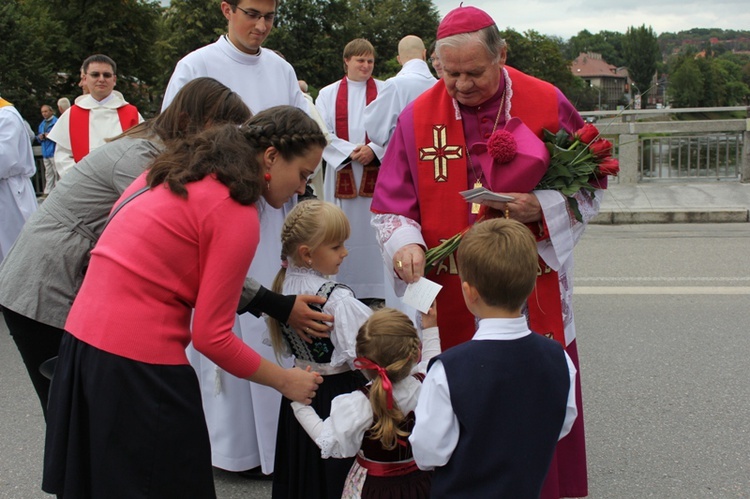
(242, 417)
(100, 114)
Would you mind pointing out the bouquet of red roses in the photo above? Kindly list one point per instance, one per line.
(577, 162)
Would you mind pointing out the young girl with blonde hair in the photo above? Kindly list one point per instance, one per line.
(312, 240)
(374, 422)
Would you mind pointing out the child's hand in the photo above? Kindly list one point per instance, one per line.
(430, 318)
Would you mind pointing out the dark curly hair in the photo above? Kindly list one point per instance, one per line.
(233, 154)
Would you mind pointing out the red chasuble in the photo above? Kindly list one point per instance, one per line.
(79, 127)
(442, 174)
(345, 183)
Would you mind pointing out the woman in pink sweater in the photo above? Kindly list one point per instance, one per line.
(125, 413)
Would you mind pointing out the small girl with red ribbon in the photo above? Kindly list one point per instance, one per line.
(374, 422)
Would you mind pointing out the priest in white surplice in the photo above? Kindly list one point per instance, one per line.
(242, 417)
(413, 79)
(99, 114)
(17, 166)
(352, 164)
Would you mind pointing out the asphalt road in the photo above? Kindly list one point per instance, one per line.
(662, 314)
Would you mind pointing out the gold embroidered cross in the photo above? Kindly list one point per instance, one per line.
(440, 153)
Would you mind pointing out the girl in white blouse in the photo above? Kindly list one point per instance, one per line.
(312, 250)
(374, 422)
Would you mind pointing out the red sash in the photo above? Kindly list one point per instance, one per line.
(79, 127)
(376, 468)
(442, 173)
(345, 183)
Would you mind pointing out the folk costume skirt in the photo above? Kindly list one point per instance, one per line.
(361, 485)
(299, 472)
(122, 428)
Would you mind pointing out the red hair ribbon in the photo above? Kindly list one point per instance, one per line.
(364, 363)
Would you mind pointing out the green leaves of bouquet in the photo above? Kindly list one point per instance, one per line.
(577, 163)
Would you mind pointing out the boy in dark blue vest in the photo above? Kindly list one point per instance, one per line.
(491, 410)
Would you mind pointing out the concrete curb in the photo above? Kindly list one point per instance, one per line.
(673, 215)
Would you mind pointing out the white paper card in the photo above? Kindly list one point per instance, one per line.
(421, 294)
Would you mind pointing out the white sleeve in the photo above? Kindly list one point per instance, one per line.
(308, 419)
(63, 159)
(393, 232)
(430, 347)
(181, 76)
(564, 229)
(349, 314)
(339, 435)
(13, 161)
(381, 114)
(571, 410)
(436, 429)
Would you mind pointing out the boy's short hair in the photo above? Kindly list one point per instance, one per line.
(358, 46)
(499, 258)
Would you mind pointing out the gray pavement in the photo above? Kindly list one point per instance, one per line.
(679, 202)
(666, 404)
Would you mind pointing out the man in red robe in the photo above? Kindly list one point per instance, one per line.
(439, 148)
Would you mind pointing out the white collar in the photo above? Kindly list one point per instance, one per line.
(502, 329)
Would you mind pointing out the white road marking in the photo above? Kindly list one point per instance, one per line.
(661, 290)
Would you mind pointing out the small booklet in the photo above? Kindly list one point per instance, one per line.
(479, 194)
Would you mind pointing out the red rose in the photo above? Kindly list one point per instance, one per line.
(587, 134)
(502, 146)
(609, 166)
(601, 148)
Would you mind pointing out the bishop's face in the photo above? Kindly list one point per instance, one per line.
(470, 73)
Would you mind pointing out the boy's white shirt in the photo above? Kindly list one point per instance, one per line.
(436, 431)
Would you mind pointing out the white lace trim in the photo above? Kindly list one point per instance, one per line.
(328, 443)
(295, 270)
(386, 224)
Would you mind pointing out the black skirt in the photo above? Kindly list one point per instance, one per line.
(122, 428)
(299, 472)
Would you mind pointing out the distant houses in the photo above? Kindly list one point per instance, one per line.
(613, 84)
(610, 82)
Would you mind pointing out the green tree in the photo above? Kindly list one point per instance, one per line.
(125, 30)
(185, 26)
(606, 43)
(641, 54)
(686, 84)
(312, 33)
(28, 73)
(541, 56)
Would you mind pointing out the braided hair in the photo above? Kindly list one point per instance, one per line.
(389, 339)
(288, 129)
(311, 223)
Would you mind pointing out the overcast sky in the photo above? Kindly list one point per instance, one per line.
(565, 18)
